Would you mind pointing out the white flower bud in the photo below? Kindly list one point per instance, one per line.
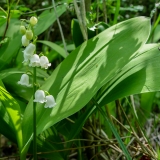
(25, 41)
(33, 21)
(44, 62)
(29, 34)
(40, 96)
(34, 61)
(24, 80)
(50, 102)
(23, 29)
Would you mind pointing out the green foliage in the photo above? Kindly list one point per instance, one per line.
(116, 61)
(72, 88)
(11, 115)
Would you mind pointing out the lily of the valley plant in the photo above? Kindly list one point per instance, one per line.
(32, 59)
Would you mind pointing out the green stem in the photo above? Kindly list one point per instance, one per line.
(116, 12)
(155, 24)
(34, 116)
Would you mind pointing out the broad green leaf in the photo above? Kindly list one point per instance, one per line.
(47, 18)
(11, 71)
(55, 47)
(76, 33)
(6, 125)
(93, 64)
(3, 18)
(140, 75)
(9, 49)
(13, 113)
(13, 28)
(11, 76)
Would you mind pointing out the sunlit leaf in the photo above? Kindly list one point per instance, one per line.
(96, 62)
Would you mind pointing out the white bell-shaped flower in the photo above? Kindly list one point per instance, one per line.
(44, 62)
(34, 61)
(40, 96)
(25, 41)
(24, 80)
(27, 57)
(28, 52)
(50, 102)
(30, 48)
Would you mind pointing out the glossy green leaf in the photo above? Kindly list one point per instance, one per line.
(3, 18)
(6, 125)
(76, 33)
(9, 49)
(140, 75)
(13, 114)
(93, 64)
(11, 76)
(55, 47)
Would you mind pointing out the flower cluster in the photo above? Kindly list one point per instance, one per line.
(34, 60)
(41, 98)
(30, 58)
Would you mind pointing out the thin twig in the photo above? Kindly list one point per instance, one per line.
(133, 105)
(60, 28)
(145, 149)
(83, 15)
(126, 147)
(110, 145)
(80, 20)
